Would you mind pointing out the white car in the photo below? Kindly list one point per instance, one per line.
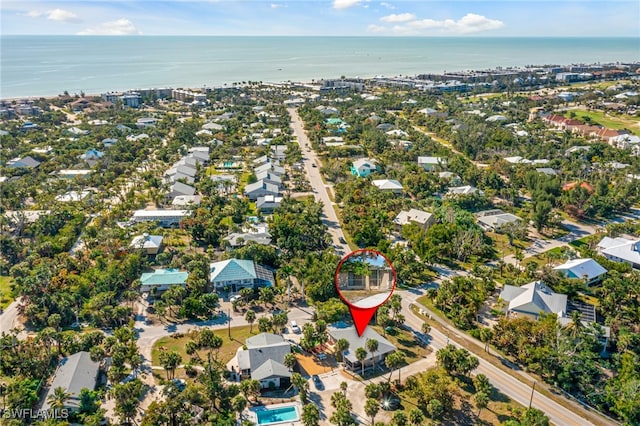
(295, 328)
(235, 298)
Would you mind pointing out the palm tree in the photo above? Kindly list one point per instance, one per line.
(250, 316)
(57, 399)
(239, 403)
(310, 415)
(416, 417)
(343, 388)
(361, 355)
(486, 334)
(371, 408)
(372, 347)
(575, 327)
(426, 328)
(290, 361)
(482, 400)
(341, 346)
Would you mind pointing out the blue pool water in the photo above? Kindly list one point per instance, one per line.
(276, 415)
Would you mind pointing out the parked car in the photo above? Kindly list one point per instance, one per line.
(295, 328)
(317, 382)
(342, 240)
(235, 298)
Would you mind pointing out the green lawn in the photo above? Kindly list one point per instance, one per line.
(5, 292)
(404, 341)
(609, 121)
(228, 350)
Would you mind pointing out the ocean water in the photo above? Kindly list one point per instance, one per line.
(49, 65)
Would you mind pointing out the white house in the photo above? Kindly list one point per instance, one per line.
(151, 244)
(423, 219)
(587, 269)
(388, 185)
(532, 299)
(430, 164)
(463, 190)
(165, 217)
(262, 360)
(492, 220)
(621, 250)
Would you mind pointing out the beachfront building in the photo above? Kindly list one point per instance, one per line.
(234, 274)
(584, 269)
(342, 331)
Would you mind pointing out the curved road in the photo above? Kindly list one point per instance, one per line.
(504, 382)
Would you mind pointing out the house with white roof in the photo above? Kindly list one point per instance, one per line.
(237, 239)
(463, 190)
(73, 196)
(388, 185)
(146, 122)
(421, 218)
(235, 274)
(268, 203)
(184, 201)
(621, 250)
(150, 244)
(532, 299)
(271, 167)
(587, 269)
(430, 164)
(397, 133)
(165, 217)
(492, 220)
(363, 167)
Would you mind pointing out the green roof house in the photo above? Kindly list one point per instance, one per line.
(162, 279)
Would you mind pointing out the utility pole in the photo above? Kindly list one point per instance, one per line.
(229, 322)
(532, 390)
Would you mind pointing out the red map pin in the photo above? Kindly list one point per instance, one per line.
(365, 279)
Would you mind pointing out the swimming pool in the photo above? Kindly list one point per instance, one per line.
(269, 416)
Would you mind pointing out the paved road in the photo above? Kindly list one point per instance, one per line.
(9, 317)
(319, 187)
(504, 382)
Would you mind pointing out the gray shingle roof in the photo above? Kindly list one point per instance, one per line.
(262, 348)
(270, 368)
(355, 341)
(74, 373)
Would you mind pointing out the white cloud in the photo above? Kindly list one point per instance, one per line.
(387, 5)
(401, 17)
(468, 24)
(345, 4)
(62, 16)
(277, 5)
(376, 29)
(59, 15)
(122, 26)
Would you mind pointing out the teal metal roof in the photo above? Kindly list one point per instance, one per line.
(233, 270)
(164, 277)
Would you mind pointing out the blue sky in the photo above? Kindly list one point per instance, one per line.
(474, 18)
